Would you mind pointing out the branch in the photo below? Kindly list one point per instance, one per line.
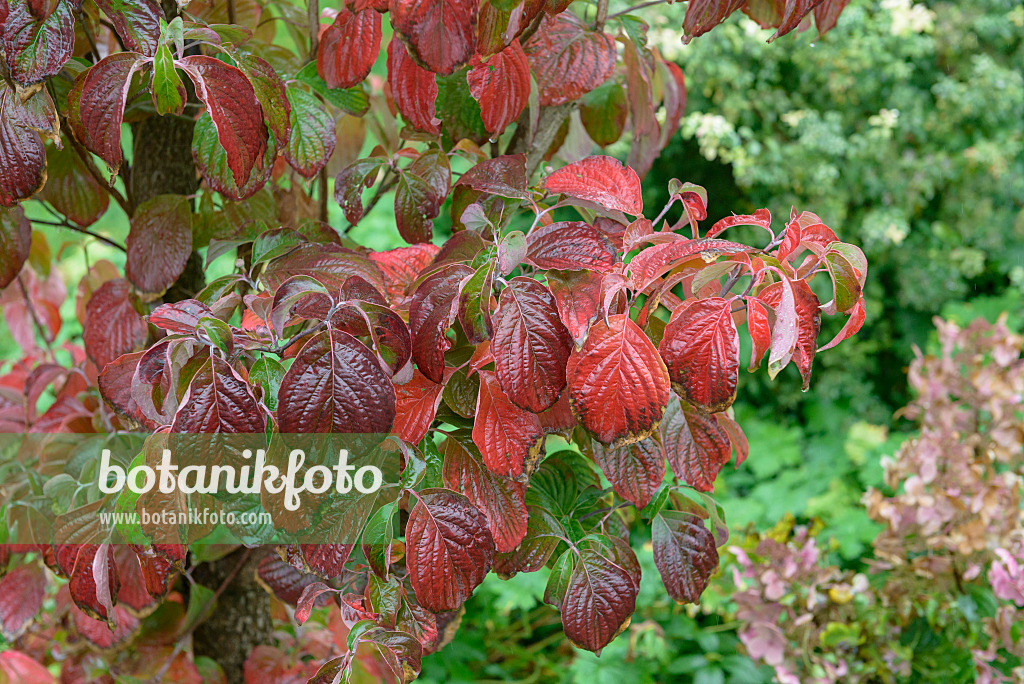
(35, 318)
(602, 14)
(64, 223)
(314, 47)
(634, 8)
(534, 144)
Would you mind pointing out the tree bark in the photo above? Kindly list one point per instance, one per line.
(534, 144)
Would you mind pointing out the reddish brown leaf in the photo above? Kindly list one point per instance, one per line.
(441, 33)
(401, 266)
(701, 348)
(180, 317)
(603, 180)
(417, 405)
(696, 445)
(21, 598)
(96, 105)
(159, 242)
(336, 384)
(534, 551)
(793, 13)
(422, 189)
(434, 306)
(15, 242)
(115, 384)
(326, 560)
(826, 14)
(71, 189)
(503, 502)
(568, 58)
(284, 581)
(137, 22)
(509, 438)
(501, 86)
(503, 176)
(231, 101)
(218, 401)
(22, 155)
(704, 15)
(808, 322)
(657, 260)
(684, 553)
(618, 384)
(448, 549)
(635, 471)
(600, 597)
(570, 246)
(112, 325)
(36, 48)
(578, 298)
(332, 265)
(530, 346)
(412, 88)
(760, 331)
(349, 47)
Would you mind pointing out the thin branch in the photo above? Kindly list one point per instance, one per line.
(634, 8)
(602, 14)
(231, 12)
(88, 35)
(79, 229)
(95, 173)
(35, 318)
(531, 29)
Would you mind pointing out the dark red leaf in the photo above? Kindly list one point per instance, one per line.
(15, 241)
(326, 560)
(570, 246)
(159, 242)
(336, 384)
(509, 438)
(95, 581)
(696, 445)
(618, 384)
(71, 189)
(603, 180)
(136, 21)
(826, 14)
(37, 48)
(448, 549)
(568, 58)
(271, 93)
(760, 331)
(400, 651)
(704, 15)
(412, 88)
(21, 598)
(212, 160)
(441, 33)
(350, 183)
(600, 597)
(112, 325)
(332, 265)
(96, 105)
(231, 101)
(808, 322)
(684, 553)
(701, 348)
(501, 86)
(657, 260)
(115, 384)
(434, 306)
(417, 405)
(218, 401)
(22, 155)
(503, 502)
(503, 176)
(793, 13)
(736, 436)
(635, 471)
(534, 551)
(578, 298)
(531, 345)
(284, 581)
(422, 189)
(349, 47)
(180, 317)
(401, 266)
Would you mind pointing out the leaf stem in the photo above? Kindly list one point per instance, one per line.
(634, 8)
(64, 223)
(35, 318)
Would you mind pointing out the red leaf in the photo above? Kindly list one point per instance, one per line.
(618, 384)
(657, 260)
(336, 384)
(684, 553)
(805, 231)
(760, 331)
(418, 400)
(448, 549)
(422, 189)
(571, 246)
(112, 325)
(503, 502)
(578, 298)
(441, 33)
(284, 581)
(530, 346)
(96, 105)
(635, 471)
(213, 160)
(326, 560)
(349, 47)
(793, 13)
(603, 180)
(237, 114)
(136, 22)
(71, 189)
(401, 266)
(309, 599)
(115, 385)
(37, 48)
(271, 93)
(21, 597)
(159, 243)
(332, 265)
(808, 322)
(599, 599)
(22, 155)
(826, 14)
(704, 15)
(509, 438)
(503, 176)
(501, 86)
(15, 241)
(312, 138)
(852, 326)
(568, 58)
(701, 348)
(412, 88)
(534, 551)
(94, 582)
(736, 437)
(434, 306)
(761, 217)
(218, 401)
(696, 445)
(180, 317)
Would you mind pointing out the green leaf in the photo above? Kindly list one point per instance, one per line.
(218, 332)
(267, 374)
(312, 136)
(200, 603)
(458, 110)
(352, 100)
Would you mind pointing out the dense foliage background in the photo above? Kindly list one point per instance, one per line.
(902, 129)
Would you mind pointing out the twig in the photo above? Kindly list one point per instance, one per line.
(602, 14)
(531, 29)
(88, 35)
(231, 12)
(35, 318)
(79, 229)
(634, 8)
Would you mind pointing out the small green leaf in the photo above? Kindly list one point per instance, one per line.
(352, 100)
(267, 373)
